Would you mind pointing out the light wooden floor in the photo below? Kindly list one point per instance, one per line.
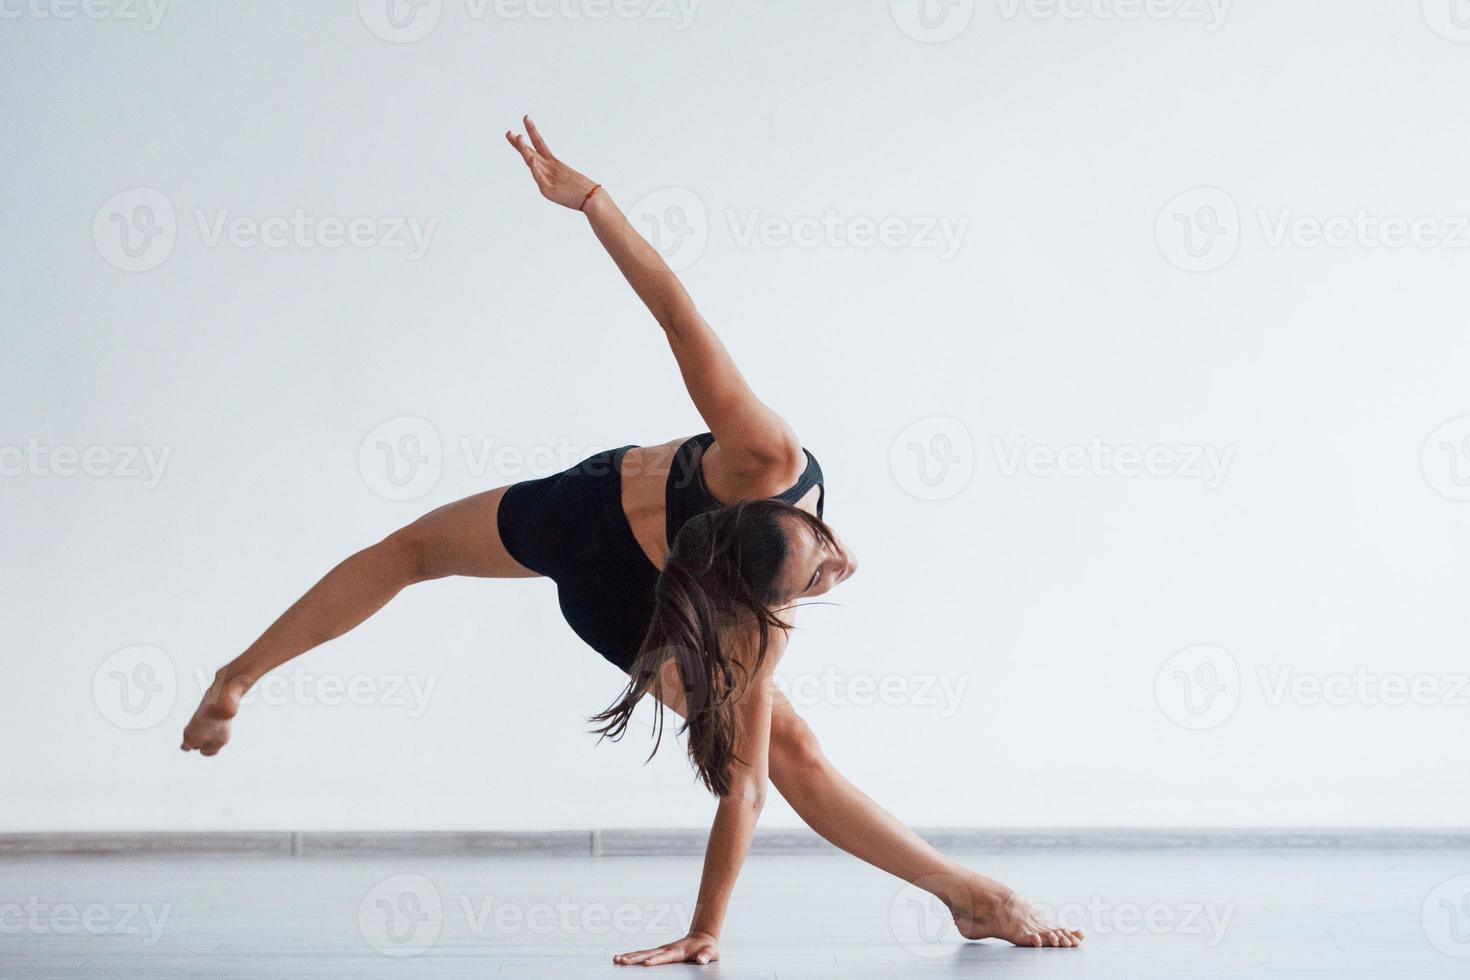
(1196, 913)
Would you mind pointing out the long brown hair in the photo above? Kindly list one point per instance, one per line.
(722, 574)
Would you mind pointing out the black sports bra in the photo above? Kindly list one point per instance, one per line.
(686, 496)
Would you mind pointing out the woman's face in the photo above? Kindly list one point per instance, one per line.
(814, 566)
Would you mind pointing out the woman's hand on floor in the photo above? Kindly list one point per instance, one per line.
(557, 182)
(697, 947)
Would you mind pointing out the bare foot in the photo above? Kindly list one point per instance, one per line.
(209, 729)
(983, 908)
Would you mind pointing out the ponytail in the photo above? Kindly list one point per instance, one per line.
(720, 579)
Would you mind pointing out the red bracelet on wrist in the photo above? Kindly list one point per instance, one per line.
(594, 190)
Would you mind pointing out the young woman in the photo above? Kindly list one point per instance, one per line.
(682, 564)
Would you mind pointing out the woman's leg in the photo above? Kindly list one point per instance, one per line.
(849, 819)
(838, 810)
(461, 538)
(846, 817)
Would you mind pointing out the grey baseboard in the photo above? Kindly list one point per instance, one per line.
(645, 842)
(446, 843)
(163, 844)
(633, 843)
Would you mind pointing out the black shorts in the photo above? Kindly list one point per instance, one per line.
(570, 527)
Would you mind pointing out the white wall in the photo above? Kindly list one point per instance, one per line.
(1329, 546)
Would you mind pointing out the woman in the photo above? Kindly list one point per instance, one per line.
(681, 564)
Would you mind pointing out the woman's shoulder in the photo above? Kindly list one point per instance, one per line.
(738, 476)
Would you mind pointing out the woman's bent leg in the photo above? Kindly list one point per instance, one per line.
(461, 538)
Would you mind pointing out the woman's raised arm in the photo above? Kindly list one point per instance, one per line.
(754, 441)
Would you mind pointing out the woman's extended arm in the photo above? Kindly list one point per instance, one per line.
(734, 825)
(754, 440)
